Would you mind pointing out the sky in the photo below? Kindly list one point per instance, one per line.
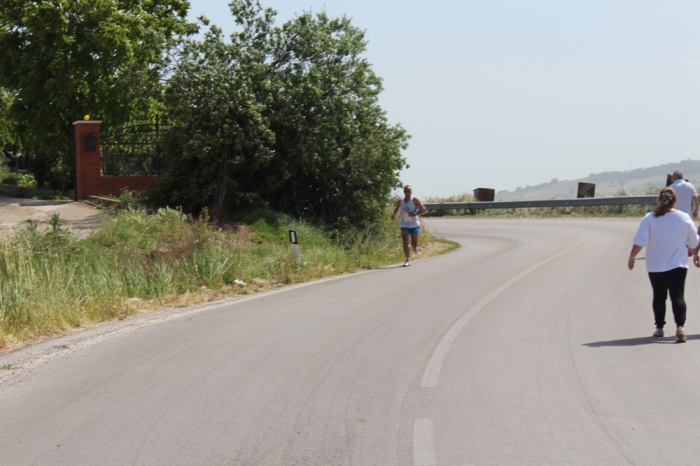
(501, 94)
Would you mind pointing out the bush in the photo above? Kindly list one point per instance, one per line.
(24, 180)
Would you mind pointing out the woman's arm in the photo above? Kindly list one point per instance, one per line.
(633, 253)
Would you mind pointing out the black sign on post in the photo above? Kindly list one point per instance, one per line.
(293, 237)
(90, 143)
(585, 190)
(484, 194)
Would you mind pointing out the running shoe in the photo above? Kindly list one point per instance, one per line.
(680, 335)
(659, 332)
(415, 250)
(407, 263)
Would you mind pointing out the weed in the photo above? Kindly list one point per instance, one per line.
(55, 223)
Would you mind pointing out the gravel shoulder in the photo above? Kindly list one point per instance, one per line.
(79, 217)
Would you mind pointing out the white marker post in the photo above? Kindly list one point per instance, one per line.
(295, 245)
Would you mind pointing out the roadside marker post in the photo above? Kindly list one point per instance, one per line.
(295, 245)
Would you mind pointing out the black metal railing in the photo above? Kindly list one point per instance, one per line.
(133, 150)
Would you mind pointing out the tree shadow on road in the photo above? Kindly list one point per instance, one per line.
(671, 339)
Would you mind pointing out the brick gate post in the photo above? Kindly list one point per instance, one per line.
(88, 159)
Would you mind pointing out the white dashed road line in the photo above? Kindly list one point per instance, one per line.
(423, 445)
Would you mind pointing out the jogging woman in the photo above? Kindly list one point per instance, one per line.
(668, 234)
(410, 208)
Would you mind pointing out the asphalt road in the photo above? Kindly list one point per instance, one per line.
(530, 345)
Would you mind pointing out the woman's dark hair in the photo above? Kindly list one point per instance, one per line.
(666, 201)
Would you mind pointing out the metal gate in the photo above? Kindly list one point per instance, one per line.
(134, 150)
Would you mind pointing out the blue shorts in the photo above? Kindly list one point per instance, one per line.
(413, 231)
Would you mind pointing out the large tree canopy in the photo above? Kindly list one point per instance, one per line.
(281, 116)
(63, 59)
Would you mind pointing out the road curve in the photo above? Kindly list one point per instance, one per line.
(530, 345)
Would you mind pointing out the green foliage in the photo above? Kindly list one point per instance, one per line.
(64, 59)
(11, 180)
(219, 135)
(333, 141)
(131, 199)
(25, 180)
(285, 117)
(8, 126)
(461, 197)
(273, 227)
(443, 211)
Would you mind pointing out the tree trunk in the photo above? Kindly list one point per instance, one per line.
(221, 183)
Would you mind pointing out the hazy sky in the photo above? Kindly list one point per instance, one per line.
(501, 94)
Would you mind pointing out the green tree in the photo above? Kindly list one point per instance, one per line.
(10, 144)
(64, 59)
(220, 134)
(8, 127)
(282, 116)
(333, 139)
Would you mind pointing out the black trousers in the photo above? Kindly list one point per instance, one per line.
(671, 282)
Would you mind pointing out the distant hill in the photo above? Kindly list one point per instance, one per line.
(634, 182)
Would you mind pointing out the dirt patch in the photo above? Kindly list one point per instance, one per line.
(79, 217)
(431, 249)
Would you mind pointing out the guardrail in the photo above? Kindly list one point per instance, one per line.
(587, 201)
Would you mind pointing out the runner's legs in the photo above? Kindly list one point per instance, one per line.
(414, 241)
(404, 238)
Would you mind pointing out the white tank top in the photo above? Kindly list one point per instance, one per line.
(406, 220)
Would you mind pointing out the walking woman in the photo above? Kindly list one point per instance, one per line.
(668, 235)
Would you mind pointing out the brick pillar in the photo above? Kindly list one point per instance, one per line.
(88, 159)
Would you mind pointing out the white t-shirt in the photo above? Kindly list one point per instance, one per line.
(406, 220)
(667, 239)
(685, 193)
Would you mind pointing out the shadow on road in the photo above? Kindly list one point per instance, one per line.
(639, 341)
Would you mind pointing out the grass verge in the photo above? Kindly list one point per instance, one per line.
(52, 282)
